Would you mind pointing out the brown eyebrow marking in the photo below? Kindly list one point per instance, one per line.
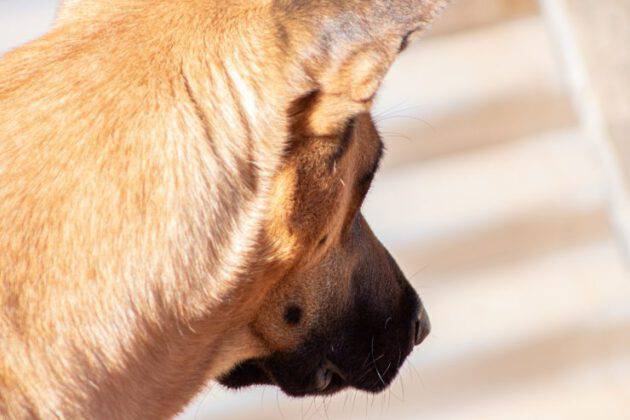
(344, 143)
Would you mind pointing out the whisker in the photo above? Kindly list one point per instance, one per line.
(402, 380)
(367, 359)
(312, 404)
(402, 386)
(414, 369)
(278, 403)
(203, 400)
(396, 109)
(420, 270)
(387, 321)
(390, 134)
(387, 369)
(408, 117)
(375, 365)
(365, 374)
(326, 409)
(393, 108)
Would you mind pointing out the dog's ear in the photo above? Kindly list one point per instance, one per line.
(66, 6)
(346, 47)
(71, 9)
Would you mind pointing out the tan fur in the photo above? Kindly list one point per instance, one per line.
(144, 192)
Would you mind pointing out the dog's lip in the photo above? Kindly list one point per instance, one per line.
(328, 374)
(323, 379)
(328, 379)
(334, 368)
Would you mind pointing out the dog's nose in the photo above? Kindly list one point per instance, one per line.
(422, 327)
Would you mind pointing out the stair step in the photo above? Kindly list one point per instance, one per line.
(457, 93)
(411, 139)
(554, 173)
(511, 241)
(466, 15)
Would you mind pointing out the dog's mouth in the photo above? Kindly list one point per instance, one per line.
(327, 379)
(300, 376)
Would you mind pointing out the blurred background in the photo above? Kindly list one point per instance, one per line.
(504, 196)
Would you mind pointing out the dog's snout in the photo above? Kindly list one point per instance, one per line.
(421, 328)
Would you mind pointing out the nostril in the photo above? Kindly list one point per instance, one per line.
(422, 330)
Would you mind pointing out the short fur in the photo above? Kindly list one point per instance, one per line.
(149, 152)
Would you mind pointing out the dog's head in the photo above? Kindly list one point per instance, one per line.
(344, 315)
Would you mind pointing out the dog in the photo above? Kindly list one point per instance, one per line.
(180, 201)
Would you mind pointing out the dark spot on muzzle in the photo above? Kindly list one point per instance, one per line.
(293, 315)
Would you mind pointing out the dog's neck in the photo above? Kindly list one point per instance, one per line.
(206, 138)
(70, 10)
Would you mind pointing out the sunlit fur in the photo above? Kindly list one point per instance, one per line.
(142, 202)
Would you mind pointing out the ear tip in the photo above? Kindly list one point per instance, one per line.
(435, 7)
(432, 9)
